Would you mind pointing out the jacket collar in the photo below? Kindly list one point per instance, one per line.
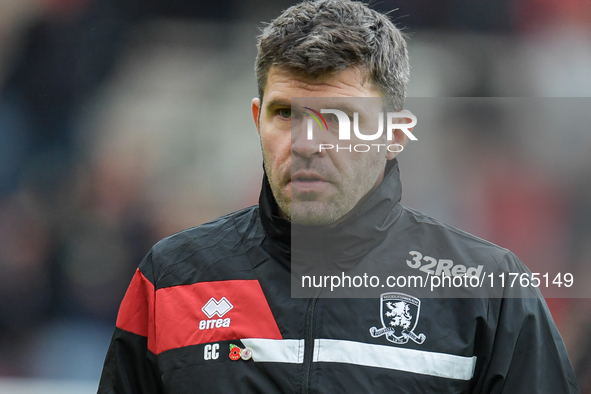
(348, 240)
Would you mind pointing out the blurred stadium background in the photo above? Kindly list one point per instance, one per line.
(122, 122)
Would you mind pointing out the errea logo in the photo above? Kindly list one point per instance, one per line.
(212, 308)
(220, 308)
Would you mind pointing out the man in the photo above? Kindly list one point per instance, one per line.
(210, 309)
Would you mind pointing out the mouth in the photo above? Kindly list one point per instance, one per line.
(307, 177)
(306, 182)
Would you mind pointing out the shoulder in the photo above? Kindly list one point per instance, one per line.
(458, 244)
(218, 232)
(194, 248)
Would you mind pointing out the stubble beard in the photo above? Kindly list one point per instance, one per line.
(319, 213)
(283, 201)
(306, 212)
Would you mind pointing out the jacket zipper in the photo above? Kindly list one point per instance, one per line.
(309, 334)
(308, 344)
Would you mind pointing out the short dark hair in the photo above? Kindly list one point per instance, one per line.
(315, 38)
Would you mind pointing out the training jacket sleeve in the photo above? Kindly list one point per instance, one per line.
(130, 365)
(525, 351)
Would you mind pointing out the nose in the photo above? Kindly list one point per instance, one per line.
(306, 138)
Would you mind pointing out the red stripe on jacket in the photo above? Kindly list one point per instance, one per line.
(172, 317)
(136, 313)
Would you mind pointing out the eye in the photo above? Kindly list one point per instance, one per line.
(284, 113)
(331, 118)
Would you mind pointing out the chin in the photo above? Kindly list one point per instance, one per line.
(313, 213)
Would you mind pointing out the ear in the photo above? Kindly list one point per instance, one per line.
(400, 137)
(256, 112)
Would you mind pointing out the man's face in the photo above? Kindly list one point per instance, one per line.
(313, 187)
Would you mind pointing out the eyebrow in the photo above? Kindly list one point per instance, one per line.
(278, 103)
(349, 110)
(343, 106)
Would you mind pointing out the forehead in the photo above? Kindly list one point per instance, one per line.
(282, 84)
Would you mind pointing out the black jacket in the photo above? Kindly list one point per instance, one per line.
(202, 296)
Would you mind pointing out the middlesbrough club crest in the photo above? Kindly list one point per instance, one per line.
(400, 314)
